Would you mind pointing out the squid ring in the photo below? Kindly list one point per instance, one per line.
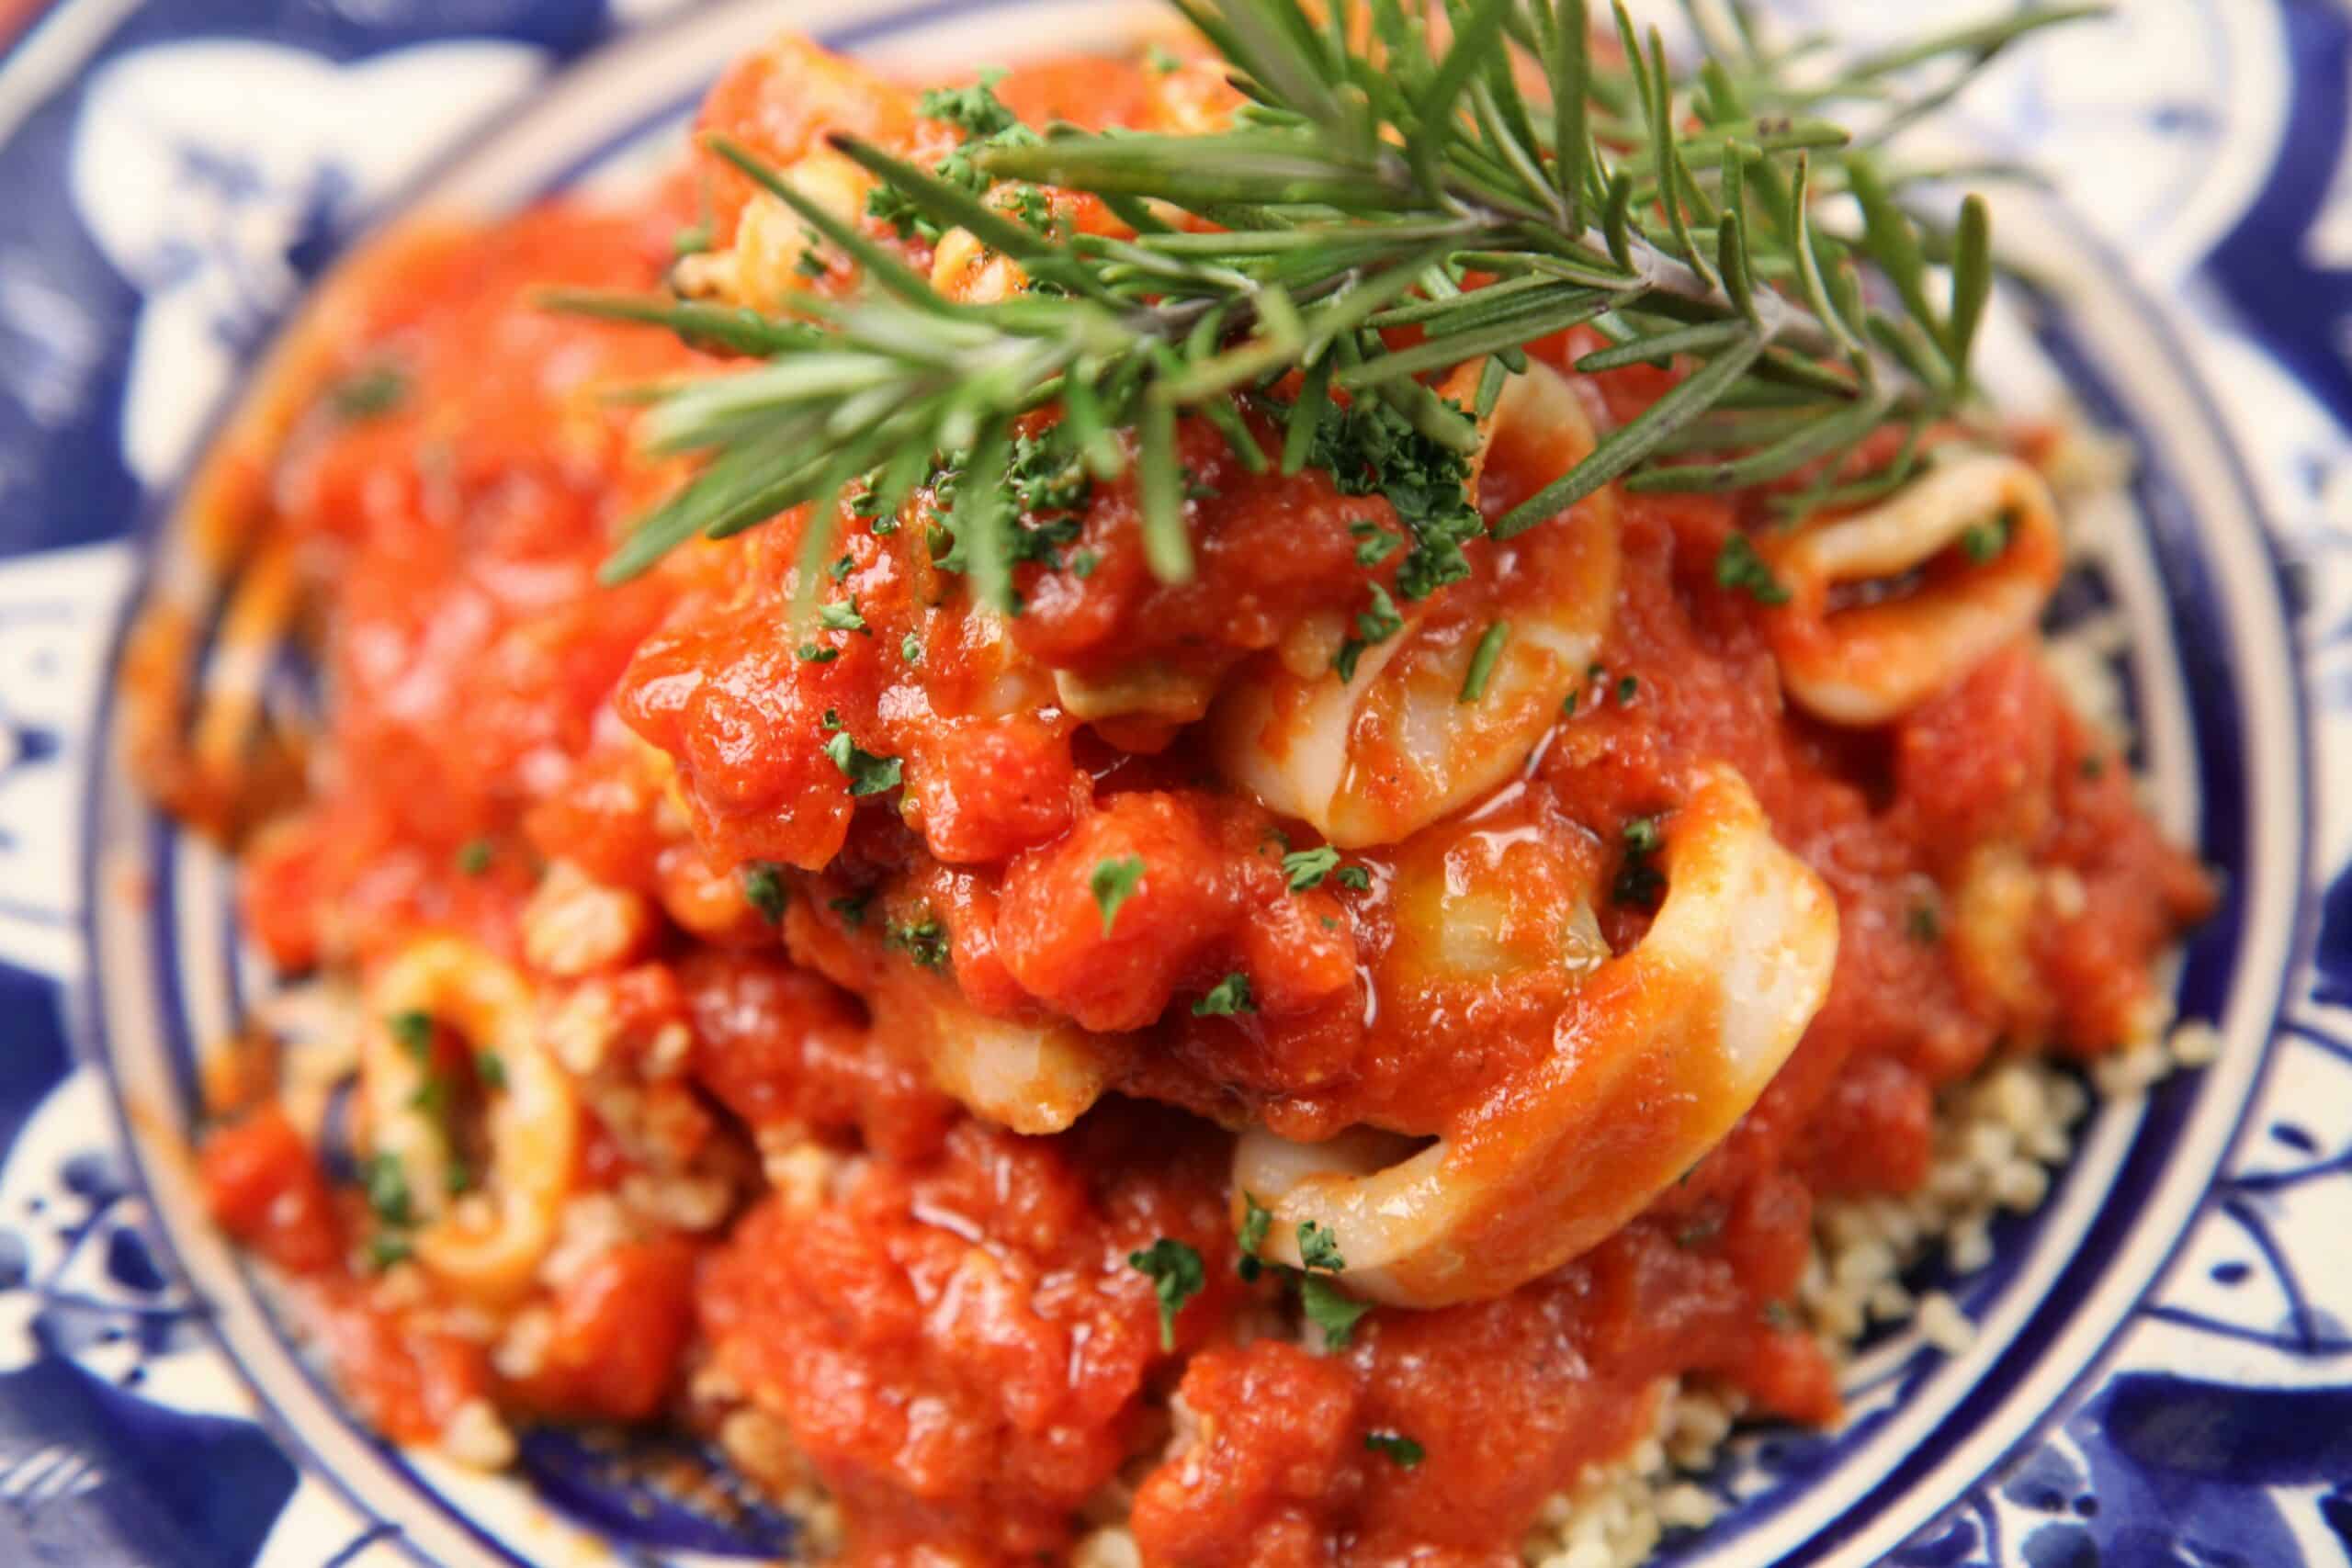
(1372, 759)
(485, 1251)
(1870, 664)
(1655, 1057)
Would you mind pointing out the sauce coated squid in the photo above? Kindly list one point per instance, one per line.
(1032, 1077)
(1870, 663)
(1372, 759)
(488, 1245)
(1655, 1055)
(1032, 1074)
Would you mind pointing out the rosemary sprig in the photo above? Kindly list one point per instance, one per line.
(1674, 210)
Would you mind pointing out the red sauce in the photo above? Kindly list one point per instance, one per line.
(958, 1342)
(950, 1328)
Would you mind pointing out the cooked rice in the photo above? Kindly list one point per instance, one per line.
(474, 1436)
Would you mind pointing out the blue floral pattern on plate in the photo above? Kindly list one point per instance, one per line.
(2166, 1375)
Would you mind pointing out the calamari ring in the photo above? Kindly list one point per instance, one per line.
(1033, 1075)
(1872, 663)
(1658, 1052)
(487, 1250)
(1370, 759)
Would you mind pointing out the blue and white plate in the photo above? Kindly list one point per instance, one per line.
(2162, 1367)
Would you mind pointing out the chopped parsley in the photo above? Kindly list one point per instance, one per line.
(811, 263)
(388, 1247)
(1032, 205)
(1230, 995)
(414, 1031)
(1369, 448)
(1113, 882)
(764, 890)
(1737, 566)
(841, 615)
(1374, 544)
(1329, 1309)
(372, 393)
(1483, 662)
(1923, 924)
(985, 122)
(1307, 868)
(1047, 486)
(1374, 625)
(1639, 881)
(1162, 61)
(1318, 1247)
(691, 241)
(815, 653)
(910, 649)
(386, 1185)
(1327, 1306)
(1083, 562)
(1176, 1276)
(1352, 876)
(867, 774)
(924, 941)
(852, 908)
(1627, 689)
(473, 856)
(973, 110)
(1256, 1219)
(839, 570)
(1321, 1299)
(1982, 542)
(1043, 478)
(1397, 1446)
(491, 1068)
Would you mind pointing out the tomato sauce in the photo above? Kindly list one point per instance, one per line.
(948, 1323)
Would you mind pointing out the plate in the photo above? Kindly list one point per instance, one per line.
(2161, 1366)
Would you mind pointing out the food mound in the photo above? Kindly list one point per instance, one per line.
(1290, 1060)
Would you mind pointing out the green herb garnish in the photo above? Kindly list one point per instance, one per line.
(1375, 624)
(867, 774)
(1674, 212)
(1307, 868)
(1738, 566)
(1113, 882)
(923, 940)
(1176, 1276)
(1230, 995)
(413, 1031)
(386, 1185)
(371, 394)
(1329, 1309)
(1256, 1219)
(764, 890)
